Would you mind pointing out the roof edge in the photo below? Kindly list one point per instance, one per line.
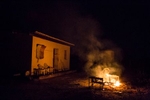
(45, 35)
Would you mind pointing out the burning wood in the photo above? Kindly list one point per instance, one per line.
(112, 80)
(106, 81)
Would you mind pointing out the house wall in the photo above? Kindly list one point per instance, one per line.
(48, 54)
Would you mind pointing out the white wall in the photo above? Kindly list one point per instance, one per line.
(48, 53)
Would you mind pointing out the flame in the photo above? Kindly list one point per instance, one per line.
(107, 75)
(108, 78)
(117, 83)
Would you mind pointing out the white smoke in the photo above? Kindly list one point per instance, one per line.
(98, 53)
(85, 32)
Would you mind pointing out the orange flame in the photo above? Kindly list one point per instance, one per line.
(117, 83)
(114, 79)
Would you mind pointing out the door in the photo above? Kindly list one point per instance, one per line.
(56, 58)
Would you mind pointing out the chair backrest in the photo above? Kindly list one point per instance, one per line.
(96, 79)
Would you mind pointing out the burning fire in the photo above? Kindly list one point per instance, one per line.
(117, 83)
(110, 79)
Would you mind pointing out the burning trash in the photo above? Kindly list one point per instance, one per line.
(110, 79)
(103, 64)
(105, 78)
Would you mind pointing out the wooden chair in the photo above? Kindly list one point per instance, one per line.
(41, 69)
(48, 69)
(96, 80)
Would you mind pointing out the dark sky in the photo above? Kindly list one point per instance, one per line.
(125, 23)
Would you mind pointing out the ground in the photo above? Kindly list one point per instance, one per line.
(73, 86)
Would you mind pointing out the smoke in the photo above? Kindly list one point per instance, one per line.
(97, 60)
(98, 53)
(85, 32)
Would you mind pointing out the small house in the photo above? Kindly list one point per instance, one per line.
(37, 54)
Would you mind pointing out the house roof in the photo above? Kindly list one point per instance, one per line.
(45, 36)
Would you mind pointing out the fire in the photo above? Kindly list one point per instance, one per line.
(117, 83)
(111, 79)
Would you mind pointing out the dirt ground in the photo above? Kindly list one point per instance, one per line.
(73, 86)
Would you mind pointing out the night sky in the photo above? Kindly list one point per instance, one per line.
(127, 24)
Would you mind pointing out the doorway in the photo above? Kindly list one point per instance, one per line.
(55, 58)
